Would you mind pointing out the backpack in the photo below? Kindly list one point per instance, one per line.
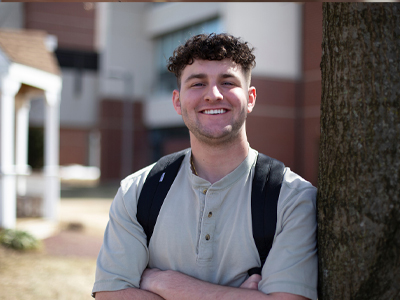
(264, 198)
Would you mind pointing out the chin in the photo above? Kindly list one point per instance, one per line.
(224, 138)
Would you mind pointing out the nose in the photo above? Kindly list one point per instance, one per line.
(213, 94)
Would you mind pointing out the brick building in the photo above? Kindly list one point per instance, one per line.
(116, 110)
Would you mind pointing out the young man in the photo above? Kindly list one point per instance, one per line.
(202, 244)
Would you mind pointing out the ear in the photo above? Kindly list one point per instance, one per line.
(176, 102)
(252, 99)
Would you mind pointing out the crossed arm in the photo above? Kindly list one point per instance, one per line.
(172, 285)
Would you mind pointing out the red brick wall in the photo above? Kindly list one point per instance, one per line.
(270, 127)
(111, 129)
(72, 24)
(312, 33)
(111, 139)
(74, 146)
(174, 145)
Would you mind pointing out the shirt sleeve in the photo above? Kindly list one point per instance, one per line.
(124, 254)
(292, 264)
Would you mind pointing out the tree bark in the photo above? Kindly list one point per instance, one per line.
(359, 164)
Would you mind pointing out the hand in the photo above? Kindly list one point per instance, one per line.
(251, 282)
(148, 277)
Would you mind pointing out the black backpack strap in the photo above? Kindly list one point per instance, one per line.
(156, 188)
(266, 187)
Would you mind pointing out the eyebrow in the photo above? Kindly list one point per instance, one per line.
(227, 75)
(202, 76)
(196, 76)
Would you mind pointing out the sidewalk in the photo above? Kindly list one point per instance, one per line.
(82, 219)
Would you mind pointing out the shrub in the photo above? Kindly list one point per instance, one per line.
(19, 240)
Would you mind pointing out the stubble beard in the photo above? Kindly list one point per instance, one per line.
(225, 137)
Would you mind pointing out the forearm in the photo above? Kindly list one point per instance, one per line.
(190, 288)
(173, 285)
(127, 294)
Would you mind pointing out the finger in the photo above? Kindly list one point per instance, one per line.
(253, 285)
(251, 282)
(255, 278)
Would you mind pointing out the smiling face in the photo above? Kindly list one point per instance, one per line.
(214, 100)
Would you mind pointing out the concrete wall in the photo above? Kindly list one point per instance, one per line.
(165, 18)
(11, 15)
(274, 29)
(159, 112)
(126, 49)
(79, 105)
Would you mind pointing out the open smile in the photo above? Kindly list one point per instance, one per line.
(214, 111)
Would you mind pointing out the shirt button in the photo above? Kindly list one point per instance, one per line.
(205, 191)
(210, 214)
(207, 237)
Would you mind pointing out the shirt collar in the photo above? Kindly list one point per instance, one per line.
(240, 172)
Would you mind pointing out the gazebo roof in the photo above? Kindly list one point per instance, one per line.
(28, 47)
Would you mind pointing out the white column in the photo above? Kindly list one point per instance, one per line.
(51, 156)
(8, 210)
(21, 159)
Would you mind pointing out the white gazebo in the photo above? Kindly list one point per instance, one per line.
(28, 69)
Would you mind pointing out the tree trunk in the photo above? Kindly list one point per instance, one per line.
(359, 166)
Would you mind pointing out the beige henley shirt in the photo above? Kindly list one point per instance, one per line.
(205, 230)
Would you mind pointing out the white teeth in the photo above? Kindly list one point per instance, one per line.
(214, 111)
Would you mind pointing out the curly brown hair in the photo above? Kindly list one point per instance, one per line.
(212, 47)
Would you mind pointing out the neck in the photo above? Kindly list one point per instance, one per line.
(213, 162)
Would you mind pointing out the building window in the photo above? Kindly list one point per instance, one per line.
(79, 61)
(167, 43)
